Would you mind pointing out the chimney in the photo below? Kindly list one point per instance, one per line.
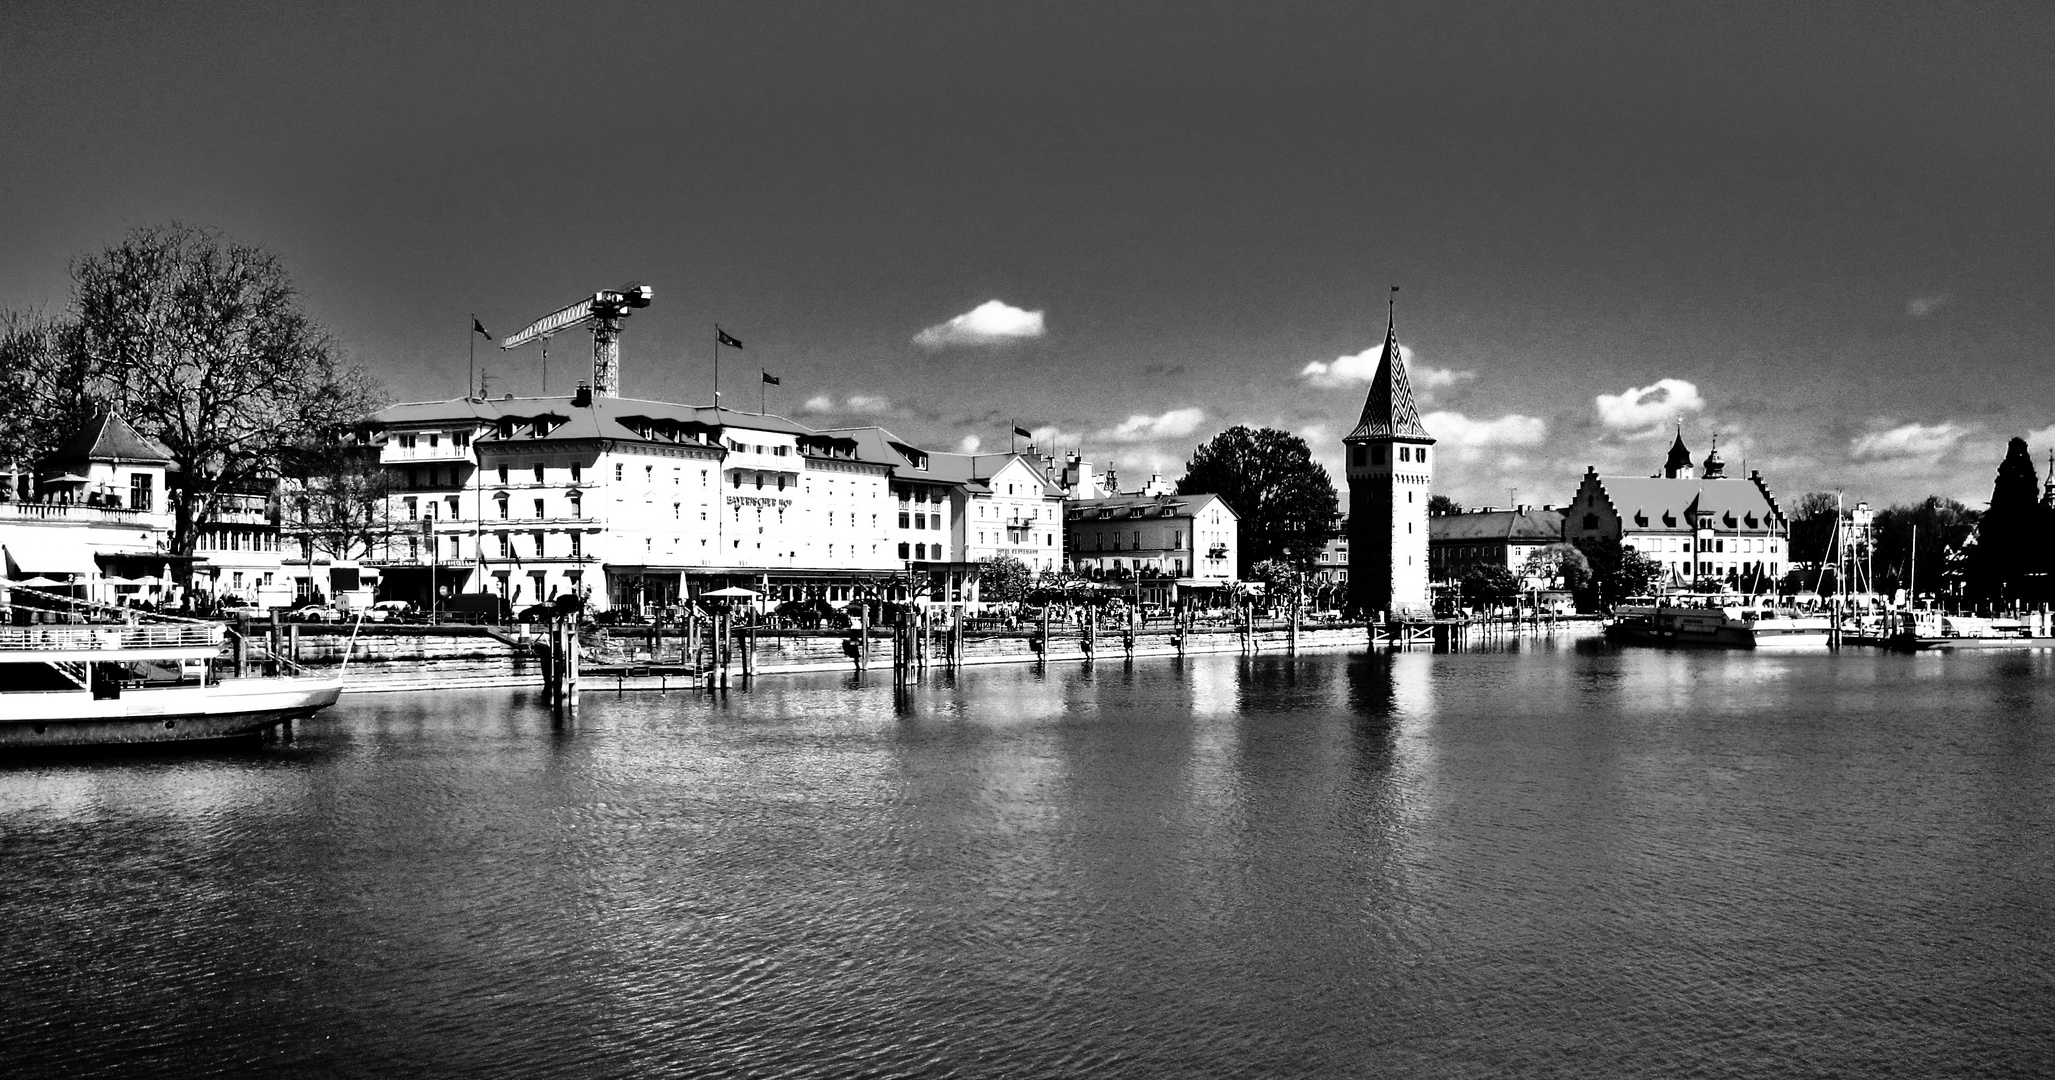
(582, 396)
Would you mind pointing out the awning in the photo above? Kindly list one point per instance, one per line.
(38, 555)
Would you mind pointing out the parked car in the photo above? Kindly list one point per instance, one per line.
(315, 613)
(389, 611)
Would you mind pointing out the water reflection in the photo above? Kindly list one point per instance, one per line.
(1550, 858)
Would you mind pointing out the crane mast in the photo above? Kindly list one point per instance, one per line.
(601, 313)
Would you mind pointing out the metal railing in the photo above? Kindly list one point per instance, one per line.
(104, 637)
(48, 511)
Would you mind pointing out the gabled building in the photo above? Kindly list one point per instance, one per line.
(101, 510)
(1697, 524)
(1457, 543)
(1160, 543)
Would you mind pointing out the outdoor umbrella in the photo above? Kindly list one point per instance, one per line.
(732, 592)
(38, 583)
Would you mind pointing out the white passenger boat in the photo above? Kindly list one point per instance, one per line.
(1924, 631)
(103, 683)
(1716, 620)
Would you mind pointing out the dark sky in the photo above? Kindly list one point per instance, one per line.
(1822, 230)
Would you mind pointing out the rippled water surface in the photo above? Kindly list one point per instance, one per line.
(1549, 860)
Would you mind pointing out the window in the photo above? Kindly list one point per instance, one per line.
(538, 545)
(502, 501)
(413, 511)
(759, 481)
(1376, 453)
(903, 550)
(453, 515)
(1420, 455)
(618, 469)
(538, 473)
(1405, 453)
(920, 551)
(577, 545)
(1359, 456)
(903, 516)
(503, 474)
(577, 472)
(460, 439)
(577, 505)
(140, 496)
(505, 548)
(538, 509)
(738, 480)
(406, 442)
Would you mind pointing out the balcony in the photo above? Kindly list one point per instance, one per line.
(443, 452)
(70, 512)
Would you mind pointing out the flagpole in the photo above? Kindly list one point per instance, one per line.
(763, 396)
(717, 365)
(471, 379)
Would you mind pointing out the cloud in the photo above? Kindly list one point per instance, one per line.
(1362, 367)
(1919, 307)
(990, 323)
(1468, 438)
(1644, 406)
(1175, 424)
(2040, 442)
(969, 445)
(869, 404)
(1908, 442)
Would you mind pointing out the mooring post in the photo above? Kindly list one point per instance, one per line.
(571, 661)
(242, 653)
(1292, 639)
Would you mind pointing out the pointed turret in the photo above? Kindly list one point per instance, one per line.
(1678, 467)
(1389, 411)
(1715, 469)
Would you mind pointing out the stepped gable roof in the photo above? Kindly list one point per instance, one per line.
(1389, 411)
(1733, 502)
(107, 437)
(1530, 526)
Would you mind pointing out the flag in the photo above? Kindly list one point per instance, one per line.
(721, 338)
(769, 379)
(479, 327)
(1023, 433)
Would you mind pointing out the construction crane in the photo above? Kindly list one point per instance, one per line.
(602, 313)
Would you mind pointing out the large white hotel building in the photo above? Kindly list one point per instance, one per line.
(633, 502)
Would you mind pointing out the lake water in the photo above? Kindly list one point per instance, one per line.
(1552, 859)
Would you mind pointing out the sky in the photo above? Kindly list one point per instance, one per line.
(1819, 231)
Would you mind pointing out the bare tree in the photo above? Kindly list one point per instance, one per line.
(343, 496)
(48, 396)
(202, 344)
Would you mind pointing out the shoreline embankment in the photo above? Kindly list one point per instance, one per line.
(389, 658)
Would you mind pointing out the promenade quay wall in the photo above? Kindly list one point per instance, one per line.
(395, 658)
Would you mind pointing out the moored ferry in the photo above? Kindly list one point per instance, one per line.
(1716, 620)
(94, 681)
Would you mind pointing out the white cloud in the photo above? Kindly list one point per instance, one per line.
(1644, 406)
(855, 403)
(990, 323)
(1468, 438)
(1919, 307)
(2042, 441)
(1048, 437)
(1362, 367)
(969, 445)
(1175, 424)
(1908, 442)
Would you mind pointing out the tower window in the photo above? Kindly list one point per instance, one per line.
(1360, 455)
(1420, 454)
(1377, 454)
(1405, 453)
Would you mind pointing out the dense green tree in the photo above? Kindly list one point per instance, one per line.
(1442, 506)
(1283, 497)
(1616, 572)
(1556, 565)
(1003, 579)
(1489, 586)
(1940, 524)
(1813, 519)
(2007, 561)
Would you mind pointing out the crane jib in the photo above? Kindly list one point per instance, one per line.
(550, 324)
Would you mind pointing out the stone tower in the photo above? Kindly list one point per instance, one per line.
(1389, 477)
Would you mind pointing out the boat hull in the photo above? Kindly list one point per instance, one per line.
(233, 708)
